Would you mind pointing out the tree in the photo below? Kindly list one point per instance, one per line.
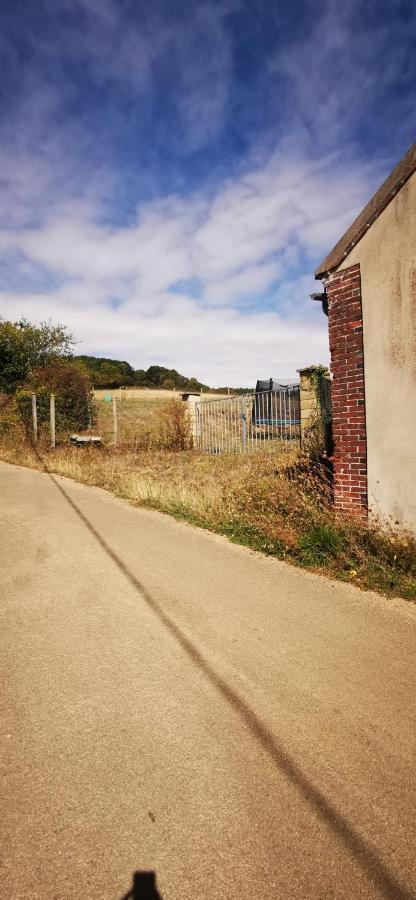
(193, 384)
(107, 373)
(73, 395)
(25, 347)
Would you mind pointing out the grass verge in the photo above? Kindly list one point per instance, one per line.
(269, 502)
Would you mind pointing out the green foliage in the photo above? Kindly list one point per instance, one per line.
(107, 373)
(73, 396)
(233, 391)
(24, 347)
(24, 407)
(320, 543)
(156, 376)
(8, 416)
(113, 373)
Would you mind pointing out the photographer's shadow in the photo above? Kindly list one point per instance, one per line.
(143, 888)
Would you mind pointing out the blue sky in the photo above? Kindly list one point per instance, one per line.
(173, 172)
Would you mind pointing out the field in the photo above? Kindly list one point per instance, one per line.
(140, 420)
(146, 394)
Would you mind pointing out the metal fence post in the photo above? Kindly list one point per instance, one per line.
(34, 419)
(243, 424)
(52, 418)
(115, 428)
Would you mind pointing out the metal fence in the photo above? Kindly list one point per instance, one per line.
(259, 421)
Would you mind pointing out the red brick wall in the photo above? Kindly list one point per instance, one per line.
(343, 290)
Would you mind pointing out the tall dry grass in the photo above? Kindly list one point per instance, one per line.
(275, 502)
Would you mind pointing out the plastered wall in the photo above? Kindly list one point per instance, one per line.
(387, 258)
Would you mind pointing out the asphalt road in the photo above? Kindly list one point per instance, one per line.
(175, 704)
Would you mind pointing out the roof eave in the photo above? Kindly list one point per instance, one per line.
(333, 260)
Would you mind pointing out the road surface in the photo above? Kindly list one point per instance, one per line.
(176, 705)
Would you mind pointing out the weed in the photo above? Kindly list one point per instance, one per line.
(320, 543)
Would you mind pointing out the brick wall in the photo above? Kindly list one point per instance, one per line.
(348, 392)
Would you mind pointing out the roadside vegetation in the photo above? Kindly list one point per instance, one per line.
(277, 502)
(270, 502)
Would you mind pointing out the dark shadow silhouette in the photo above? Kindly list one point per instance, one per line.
(364, 854)
(143, 887)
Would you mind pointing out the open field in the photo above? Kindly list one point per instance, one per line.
(146, 394)
(140, 421)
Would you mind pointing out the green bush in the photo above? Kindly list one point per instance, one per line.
(73, 397)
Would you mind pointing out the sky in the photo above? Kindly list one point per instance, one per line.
(172, 172)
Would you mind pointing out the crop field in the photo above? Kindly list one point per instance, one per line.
(145, 395)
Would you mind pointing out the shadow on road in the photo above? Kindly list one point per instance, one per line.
(365, 856)
(143, 887)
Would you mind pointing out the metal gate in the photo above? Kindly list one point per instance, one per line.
(259, 421)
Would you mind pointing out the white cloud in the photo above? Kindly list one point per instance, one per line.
(116, 283)
(244, 251)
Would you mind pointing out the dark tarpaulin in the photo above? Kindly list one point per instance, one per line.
(276, 404)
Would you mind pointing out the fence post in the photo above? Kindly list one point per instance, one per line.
(244, 423)
(34, 419)
(115, 428)
(52, 418)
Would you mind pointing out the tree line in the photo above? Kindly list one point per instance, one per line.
(113, 373)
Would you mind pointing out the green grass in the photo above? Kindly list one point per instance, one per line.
(321, 543)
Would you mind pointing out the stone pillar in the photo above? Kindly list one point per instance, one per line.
(193, 404)
(310, 408)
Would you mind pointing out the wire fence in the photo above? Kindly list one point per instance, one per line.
(238, 424)
(134, 423)
(252, 422)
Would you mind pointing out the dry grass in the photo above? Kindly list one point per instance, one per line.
(270, 501)
(141, 425)
(145, 395)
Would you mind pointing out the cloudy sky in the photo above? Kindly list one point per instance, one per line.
(172, 172)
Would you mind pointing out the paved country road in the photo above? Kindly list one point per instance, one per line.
(175, 704)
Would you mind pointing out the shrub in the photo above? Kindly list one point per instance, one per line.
(23, 347)
(24, 407)
(73, 396)
(178, 432)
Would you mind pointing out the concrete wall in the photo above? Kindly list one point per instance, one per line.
(387, 257)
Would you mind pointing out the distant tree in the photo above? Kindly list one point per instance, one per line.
(168, 384)
(107, 373)
(25, 347)
(111, 373)
(140, 378)
(194, 385)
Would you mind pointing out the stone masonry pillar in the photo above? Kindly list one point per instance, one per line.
(193, 402)
(310, 408)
